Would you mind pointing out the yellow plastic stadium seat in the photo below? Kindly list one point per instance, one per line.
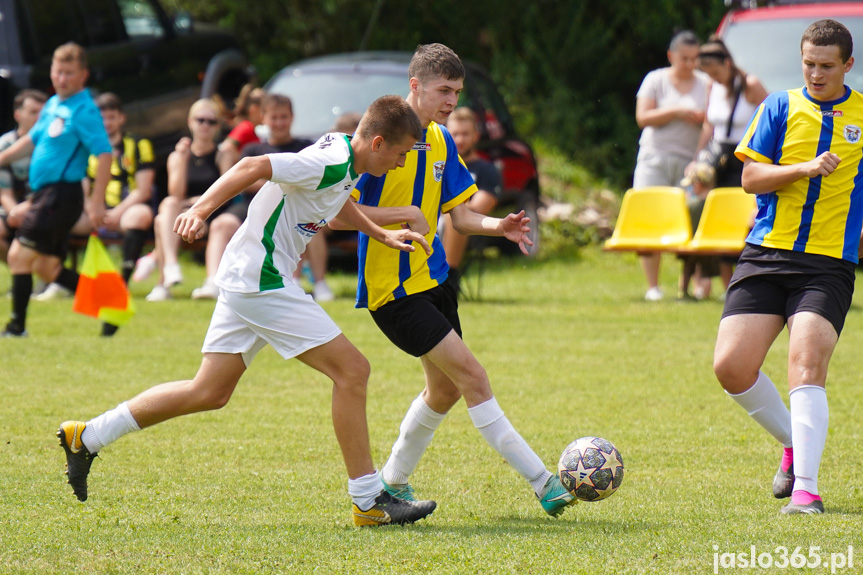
(724, 222)
(651, 219)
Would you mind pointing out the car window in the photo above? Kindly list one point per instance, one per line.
(320, 98)
(779, 68)
(46, 24)
(102, 21)
(140, 19)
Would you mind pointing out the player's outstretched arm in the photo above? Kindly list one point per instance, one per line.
(388, 216)
(352, 216)
(763, 178)
(190, 225)
(513, 227)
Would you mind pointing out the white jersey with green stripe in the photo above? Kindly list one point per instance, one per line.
(306, 191)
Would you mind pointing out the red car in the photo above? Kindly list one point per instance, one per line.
(764, 37)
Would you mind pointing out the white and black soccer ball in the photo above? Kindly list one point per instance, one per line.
(591, 468)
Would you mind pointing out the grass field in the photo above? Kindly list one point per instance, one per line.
(259, 487)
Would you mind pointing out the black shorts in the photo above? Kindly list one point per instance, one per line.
(416, 323)
(55, 209)
(783, 282)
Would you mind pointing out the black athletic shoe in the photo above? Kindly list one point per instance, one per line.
(389, 510)
(814, 508)
(783, 483)
(13, 330)
(78, 458)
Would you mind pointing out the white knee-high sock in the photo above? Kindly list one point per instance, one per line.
(763, 403)
(363, 490)
(488, 417)
(415, 434)
(108, 428)
(809, 418)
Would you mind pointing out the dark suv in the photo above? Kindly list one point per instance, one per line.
(156, 64)
(323, 88)
(764, 37)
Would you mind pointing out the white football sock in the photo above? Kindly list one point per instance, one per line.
(108, 428)
(415, 434)
(763, 403)
(809, 417)
(364, 490)
(488, 417)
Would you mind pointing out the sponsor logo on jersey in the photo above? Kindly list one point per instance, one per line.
(310, 229)
(852, 133)
(438, 170)
(422, 147)
(56, 127)
(328, 140)
(830, 113)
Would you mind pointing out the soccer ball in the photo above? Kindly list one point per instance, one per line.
(591, 468)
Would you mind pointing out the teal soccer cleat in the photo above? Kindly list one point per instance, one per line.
(555, 498)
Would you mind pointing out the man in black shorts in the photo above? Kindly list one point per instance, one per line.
(69, 129)
(797, 268)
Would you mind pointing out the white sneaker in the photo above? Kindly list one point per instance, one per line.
(159, 293)
(654, 294)
(173, 275)
(207, 291)
(322, 292)
(53, 291)
(144, 267)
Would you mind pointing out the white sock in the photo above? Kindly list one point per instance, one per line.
(364, 490)
(763, 403)
(488, 417)
(415, 434)
(809, 417)
(108, 428)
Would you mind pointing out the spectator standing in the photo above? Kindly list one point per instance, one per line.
(15, 180)
(802, 157)
(69, 129)
(670, 109)
(462, 126)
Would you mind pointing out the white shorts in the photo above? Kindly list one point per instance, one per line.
(654, 169)
(287, 318)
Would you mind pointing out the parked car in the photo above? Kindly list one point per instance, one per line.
(764, 37)
(157, 64)
(326, 87)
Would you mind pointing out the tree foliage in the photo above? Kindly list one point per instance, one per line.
(568, 70)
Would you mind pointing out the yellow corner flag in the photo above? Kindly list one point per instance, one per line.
(101, 291)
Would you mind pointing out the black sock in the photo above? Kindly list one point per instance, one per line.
(68, 279)
(133, 245)
(22, 287)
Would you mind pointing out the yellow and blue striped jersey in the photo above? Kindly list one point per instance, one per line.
(820, 215)
(435, 179)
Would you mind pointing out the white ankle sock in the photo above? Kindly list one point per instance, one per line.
(364, 490)
(763, 403)
(108, 428)
(415, 434)
(488, 417)
(809, 418)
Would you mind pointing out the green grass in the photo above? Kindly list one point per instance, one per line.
(259, 486)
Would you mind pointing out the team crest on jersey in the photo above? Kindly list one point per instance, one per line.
(310, 229)
(55, 128)
(438, 170)
(422, 147)
(852, 133)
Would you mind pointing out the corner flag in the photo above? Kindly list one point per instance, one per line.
(101, 291)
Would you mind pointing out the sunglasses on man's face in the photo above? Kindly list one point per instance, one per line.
(207, 121)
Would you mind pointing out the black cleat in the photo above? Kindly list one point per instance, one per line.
(389, 510)
(78, 458)
(783, 483)
(814, 508)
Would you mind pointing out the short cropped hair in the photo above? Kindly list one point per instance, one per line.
(203, 103)
(465, 115)
(71, 52)
(109, 102)
(829, 33)
(28, 94)
(392, 118)
(435, 61)
(272, 100)
(684, 38)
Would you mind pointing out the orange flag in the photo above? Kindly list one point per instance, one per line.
(101, 291)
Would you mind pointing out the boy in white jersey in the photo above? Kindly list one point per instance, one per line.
(259, 304)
